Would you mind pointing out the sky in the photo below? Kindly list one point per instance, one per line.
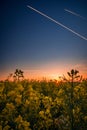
(39, 46)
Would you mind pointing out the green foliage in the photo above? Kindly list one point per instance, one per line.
(42, 105)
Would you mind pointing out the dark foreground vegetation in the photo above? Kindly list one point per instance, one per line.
(44, 105)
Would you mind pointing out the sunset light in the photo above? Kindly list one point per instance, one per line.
(43, 65)
(44, 41)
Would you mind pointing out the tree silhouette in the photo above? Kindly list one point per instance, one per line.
(73, 78)
(18, 74)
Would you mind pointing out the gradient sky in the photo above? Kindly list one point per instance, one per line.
(38, 46)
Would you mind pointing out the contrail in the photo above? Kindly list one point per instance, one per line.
(58, 23)
(78, 15)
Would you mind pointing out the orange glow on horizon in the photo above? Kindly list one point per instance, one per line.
(54, 76)
(51, 70)
(40, 74)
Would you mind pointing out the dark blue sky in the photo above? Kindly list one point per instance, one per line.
(38, 46)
